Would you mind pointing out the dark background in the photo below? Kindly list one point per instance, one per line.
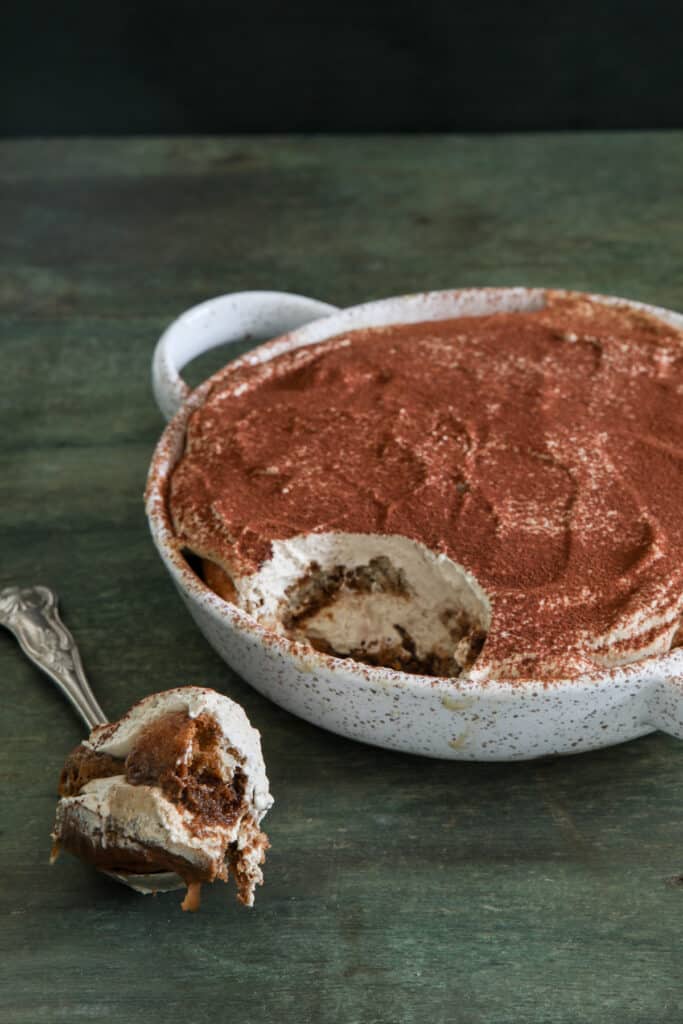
(181, 67)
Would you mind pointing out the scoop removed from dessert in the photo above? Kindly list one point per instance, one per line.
(177, 784)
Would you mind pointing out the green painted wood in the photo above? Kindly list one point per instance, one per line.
(398, 889)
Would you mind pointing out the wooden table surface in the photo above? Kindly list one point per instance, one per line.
(397, 889)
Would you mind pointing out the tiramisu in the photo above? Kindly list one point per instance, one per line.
(494, 496)
(178, 784)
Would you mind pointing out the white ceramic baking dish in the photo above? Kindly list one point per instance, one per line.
(449, 718)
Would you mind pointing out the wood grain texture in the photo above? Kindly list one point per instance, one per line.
(398, 889)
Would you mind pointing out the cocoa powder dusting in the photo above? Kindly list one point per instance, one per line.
(540, 450)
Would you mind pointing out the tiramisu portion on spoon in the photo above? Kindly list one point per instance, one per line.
(492, 496)
(177, 784)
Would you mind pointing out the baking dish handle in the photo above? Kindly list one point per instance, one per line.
(220, 321)
(665, 705)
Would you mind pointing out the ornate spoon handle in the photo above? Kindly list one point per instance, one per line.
(31, 614)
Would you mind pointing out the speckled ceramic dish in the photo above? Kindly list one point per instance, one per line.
(449, 718)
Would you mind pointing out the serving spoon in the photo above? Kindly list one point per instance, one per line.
(31, 614)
